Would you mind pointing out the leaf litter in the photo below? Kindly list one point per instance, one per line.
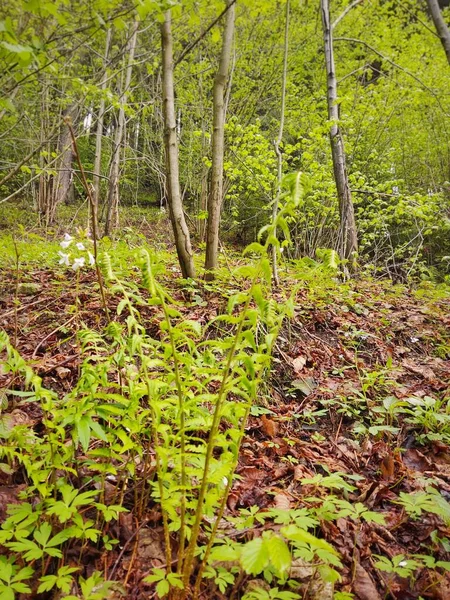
(348, 378)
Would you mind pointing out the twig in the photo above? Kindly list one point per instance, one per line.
(50, 335)
(192, 45)
(345, 12)
(125, 546)
(133, 558)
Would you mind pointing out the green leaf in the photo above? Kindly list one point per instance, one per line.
(254, 556)
(43, 534)
(162, 588)
(84, 432)
(224, 553)
(279, 554)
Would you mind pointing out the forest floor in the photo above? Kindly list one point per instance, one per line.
(356, 403)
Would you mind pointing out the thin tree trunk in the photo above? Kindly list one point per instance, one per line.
(441, 26)
(99, 134)
(348, 241)
(64, 179)
(215, 196)
(279, 140)
(180, 229)
(44, 193)
(114, 169)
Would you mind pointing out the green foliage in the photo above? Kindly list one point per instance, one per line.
(164, 404)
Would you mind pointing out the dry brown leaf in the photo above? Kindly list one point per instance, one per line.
(320, 589)
(363, 585)
(282, 502)
(269, 427)
(423, 370)
(298, 363)
(63, 372)
(301, 569)
(416, 461)
(387, 467)
(232, 501)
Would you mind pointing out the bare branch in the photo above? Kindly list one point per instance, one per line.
(193, 44)
(345, 12)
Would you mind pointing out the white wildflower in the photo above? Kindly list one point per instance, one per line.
(64, 258)
(91, 259)
(414, 340)
(403, 563)
(77, 263)
(66, 241)
(80, 246)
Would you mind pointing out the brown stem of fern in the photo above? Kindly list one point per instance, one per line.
(93, 206)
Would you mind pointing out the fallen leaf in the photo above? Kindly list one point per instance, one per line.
(306, 385)
(298, 363)
(269, 427)
(416, 461)
(282, 502)
(363, 585)
(387, 467)
(320, 589)
(63, 372)
(301, 569)
(423, 370)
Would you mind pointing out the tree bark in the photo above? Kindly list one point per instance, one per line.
(63, 182)
(218, 144)
(348, 240)
(114, 169)
(99, 133)
(279, 140)
(180, 229)
(442, 28)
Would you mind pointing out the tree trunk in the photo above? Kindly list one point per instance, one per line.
(114, 168)
(63, 182)
(99, 133)
(278, 142)
(180, 229)
(218, 139)
(348, 241)
(441, 26)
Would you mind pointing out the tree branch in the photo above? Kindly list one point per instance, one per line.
(345, 12)
(193, 44)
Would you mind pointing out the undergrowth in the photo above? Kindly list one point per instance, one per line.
(156, 420)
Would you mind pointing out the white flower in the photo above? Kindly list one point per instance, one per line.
(64, 260)
(77, 263)
(403, 563)
(80, 246)
(414, 340)
(67, 241)
(91, 259)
